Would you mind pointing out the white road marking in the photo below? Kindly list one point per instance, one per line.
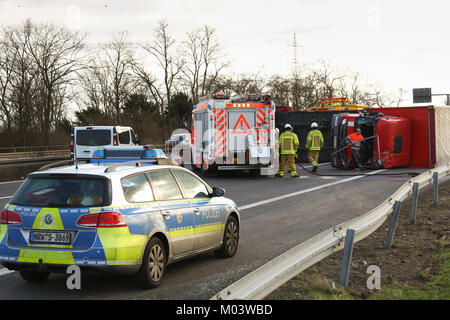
(5, 271)
(8, 197)
(289, 195)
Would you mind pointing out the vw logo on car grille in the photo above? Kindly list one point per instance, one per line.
(48, 219)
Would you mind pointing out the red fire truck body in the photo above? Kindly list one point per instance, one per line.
(234, 133)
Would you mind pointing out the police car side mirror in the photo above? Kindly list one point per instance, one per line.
(217, 192)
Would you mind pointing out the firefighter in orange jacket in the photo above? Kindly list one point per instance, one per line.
(288, 150)
(355, 140)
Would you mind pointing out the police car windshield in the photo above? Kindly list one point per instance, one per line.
(63, 192)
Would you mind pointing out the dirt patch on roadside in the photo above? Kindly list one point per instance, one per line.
(411, 261)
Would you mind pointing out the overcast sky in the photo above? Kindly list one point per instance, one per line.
(396, 43)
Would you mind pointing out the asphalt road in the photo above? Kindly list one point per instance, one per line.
(276, 215)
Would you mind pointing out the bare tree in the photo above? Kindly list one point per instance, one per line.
(193, 55)
(212, 57)
(19, 83)
(7, 61)
(279, 89)
(162, 49)
(56, 53)
(118, 66)
(94, 83)
(109, 79)
(203, 61)
(249, 83)
(222, 84)
(325, 79)
(148, 84)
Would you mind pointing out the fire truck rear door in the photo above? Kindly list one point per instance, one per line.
(240, 124)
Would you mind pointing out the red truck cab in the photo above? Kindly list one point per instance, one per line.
(387, 140)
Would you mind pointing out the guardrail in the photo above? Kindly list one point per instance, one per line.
(34, 154)
(33, 148)
(259, 283)
(16, 159)
(22, 159)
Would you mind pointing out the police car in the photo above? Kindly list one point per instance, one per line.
(117, 212)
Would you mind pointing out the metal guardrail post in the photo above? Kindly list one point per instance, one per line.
(435, 189)
(347, 259)
(395, 215)
(415, 197)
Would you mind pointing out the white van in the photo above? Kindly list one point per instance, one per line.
(86, 140)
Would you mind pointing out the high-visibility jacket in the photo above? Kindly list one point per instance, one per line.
(314, 141)
(288, 142)
(355, 140)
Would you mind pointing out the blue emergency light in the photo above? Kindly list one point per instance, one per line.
(123, 154)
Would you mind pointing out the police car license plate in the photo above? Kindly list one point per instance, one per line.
(50, 237)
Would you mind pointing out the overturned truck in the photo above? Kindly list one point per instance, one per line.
(394, 137)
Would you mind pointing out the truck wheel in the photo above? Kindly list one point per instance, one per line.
(230, 239)
(153, 265)
(34, 276)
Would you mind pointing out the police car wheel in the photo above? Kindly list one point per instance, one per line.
(153, 265)
(34, 276)
(230, 239)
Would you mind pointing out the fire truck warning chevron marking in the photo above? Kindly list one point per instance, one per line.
(241, 121)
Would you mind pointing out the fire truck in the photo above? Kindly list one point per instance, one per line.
(235, 133)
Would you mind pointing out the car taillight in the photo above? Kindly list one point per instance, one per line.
(9, 217)
(115, 142)
(102, 220)
(72, 149)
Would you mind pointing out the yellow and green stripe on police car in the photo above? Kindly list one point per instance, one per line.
(118, 244)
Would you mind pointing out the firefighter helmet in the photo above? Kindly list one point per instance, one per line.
(314, 125)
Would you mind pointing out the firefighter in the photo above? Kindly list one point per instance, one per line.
(314, 142)
(288, 151)
(355, 140)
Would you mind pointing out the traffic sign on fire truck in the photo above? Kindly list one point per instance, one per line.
(241, 122)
